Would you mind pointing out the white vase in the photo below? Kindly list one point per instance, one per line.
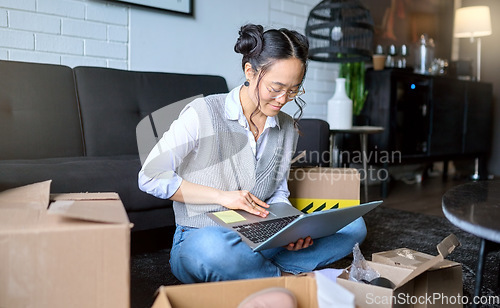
(340, 107)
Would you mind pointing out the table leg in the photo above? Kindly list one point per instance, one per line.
(335, 160)
(445, 170)
(332, 150)
(485, 247)
(384, 187)
(479, 271)
(364, 141)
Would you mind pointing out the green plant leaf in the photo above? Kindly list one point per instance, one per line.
(354, 73)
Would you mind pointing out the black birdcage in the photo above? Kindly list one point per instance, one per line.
(340, 31)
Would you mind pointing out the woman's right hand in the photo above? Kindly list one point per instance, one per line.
(244, 200)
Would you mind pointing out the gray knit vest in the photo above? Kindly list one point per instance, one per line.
(225, 160)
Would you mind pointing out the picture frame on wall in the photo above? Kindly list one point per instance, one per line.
(184, 7)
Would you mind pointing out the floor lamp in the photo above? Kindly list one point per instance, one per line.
(473, 22)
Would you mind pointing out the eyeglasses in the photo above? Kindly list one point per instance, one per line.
(280, 93)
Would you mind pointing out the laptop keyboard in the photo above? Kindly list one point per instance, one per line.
(258, 232)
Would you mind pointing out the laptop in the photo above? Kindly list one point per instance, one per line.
(285, 224)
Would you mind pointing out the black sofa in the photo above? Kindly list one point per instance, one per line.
(77, 127)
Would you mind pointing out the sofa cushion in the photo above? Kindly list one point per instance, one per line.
(114, 101)
(39, 116)
(314, 138)
(84, 174)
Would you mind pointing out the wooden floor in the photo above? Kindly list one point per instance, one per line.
(424, 197)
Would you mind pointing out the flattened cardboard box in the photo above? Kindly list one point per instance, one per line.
(76, 253)
(228, 294)
(404, 293)
(318, 188)
(442, 282)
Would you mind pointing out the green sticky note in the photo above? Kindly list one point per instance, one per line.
(229, 217)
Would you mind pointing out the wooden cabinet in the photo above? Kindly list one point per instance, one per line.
(429, 117)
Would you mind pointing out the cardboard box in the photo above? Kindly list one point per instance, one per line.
(76, 253)
(317, 188)
(406, 292)
(374, 296)
(228, 294)
(444, 280)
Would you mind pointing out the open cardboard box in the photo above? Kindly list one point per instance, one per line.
(317, 188)
(228, 294)
(73, 253)
(406, 292)
(312, 290)
(443, 280)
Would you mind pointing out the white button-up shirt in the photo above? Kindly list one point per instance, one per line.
(182, 138)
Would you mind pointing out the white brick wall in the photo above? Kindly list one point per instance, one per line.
(71, 9)
(68, 32)
(320, 79)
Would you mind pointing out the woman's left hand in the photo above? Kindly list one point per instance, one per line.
(300, 244)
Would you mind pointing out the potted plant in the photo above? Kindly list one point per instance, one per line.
(354, 73)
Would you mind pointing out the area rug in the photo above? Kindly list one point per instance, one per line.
(387, 229)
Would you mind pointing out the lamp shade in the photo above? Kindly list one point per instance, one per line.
(340, 31)
(472, 21)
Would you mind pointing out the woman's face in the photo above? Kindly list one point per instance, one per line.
(281, 81)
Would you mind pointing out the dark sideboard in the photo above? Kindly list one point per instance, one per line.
(434, 118)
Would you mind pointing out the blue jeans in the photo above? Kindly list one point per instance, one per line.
(217, 253)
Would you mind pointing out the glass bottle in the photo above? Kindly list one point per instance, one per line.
(391, 56)
(424, 55)
(402, 60)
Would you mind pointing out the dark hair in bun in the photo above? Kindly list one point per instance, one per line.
(249, 43)
(262, 48)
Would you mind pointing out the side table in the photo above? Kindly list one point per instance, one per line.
(475, 208)
(363, 132)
